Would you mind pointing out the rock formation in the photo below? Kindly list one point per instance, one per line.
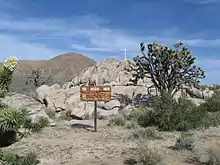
(124, 94)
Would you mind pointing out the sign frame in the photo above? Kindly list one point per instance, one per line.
(95, 94)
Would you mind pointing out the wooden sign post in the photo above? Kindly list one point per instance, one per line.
(95, 116)
(95, 94)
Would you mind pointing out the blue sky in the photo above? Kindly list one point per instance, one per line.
(42, 29)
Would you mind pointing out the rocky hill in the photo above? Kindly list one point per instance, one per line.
(61, 69)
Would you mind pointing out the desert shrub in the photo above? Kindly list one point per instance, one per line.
(66, 115)
(214, 87)
(43, 121)
(143, 116)
(179, 115)
(131, 124)
(12, 121)
(185, 141)
(147, 156)
(36, 126)
(168, 114)
(116, 121)
(210, 119)
(2, 93)
(14, 159)
(212, 104)
(146, 133)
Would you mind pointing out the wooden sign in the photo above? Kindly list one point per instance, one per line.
(95, 93)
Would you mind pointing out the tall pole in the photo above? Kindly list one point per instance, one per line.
(95, 109)
(95, 116)
(125, 53)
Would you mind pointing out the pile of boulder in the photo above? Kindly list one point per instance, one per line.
(117, 74)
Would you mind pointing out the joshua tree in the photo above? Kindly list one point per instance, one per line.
(36, 78)
(168, 68)
(6, 72)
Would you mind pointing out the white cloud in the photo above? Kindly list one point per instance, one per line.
(96, 35)
(87, 33)
(83, 48)
(11, 46)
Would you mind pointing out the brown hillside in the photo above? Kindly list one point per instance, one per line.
(61, 68)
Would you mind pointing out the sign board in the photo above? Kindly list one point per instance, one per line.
(95, 93)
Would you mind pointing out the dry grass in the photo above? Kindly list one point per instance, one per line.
(62, 145)
(146, 133)
(185, 141)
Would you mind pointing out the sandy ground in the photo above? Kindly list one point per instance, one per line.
(62, 145)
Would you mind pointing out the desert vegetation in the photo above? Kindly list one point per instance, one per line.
(168, 130)
(169, 69)
(15, 124)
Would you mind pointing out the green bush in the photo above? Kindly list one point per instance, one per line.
(36, 126)
(143, 117)
(212, 104)
(131, 124)
(12, 121)
(2, 93)
(14, 159)
(147, 156)
(172, 115)
(168, 114)
(146, 133)
(116, 121)
(210, 119)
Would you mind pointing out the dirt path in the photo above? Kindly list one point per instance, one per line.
(62, 145)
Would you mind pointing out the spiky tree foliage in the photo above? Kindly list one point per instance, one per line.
(6, 73)
(168, 68)
(17, 121)
(36, 78)
(12, 119)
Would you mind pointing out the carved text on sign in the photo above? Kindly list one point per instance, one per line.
(95, 93)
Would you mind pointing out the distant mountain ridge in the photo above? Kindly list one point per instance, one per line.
(61, 68)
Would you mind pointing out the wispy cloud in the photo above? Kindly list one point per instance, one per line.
(95, 34)
(44, 38)
(87, 33)
(11, 46)
(209, 1)
(203, 2)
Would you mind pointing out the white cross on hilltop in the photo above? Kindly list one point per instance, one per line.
(125, 53)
